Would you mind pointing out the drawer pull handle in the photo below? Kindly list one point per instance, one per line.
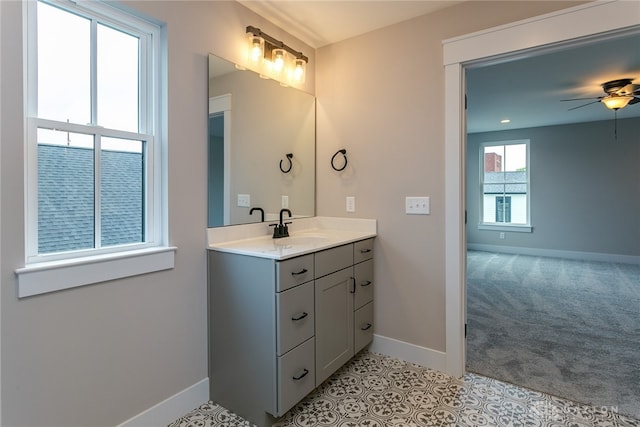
(300, 316)
(367, 283)
(365, 251)
(297, 273)
(302, 375)
(367, 326)
(353, 285)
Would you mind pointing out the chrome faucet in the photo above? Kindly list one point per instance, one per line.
(281, 229)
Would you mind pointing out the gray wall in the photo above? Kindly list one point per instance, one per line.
(390, 118)
(585, 188)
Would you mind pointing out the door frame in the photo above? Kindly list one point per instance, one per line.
(522, 38)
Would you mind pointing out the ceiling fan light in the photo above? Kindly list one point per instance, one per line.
(616, 102)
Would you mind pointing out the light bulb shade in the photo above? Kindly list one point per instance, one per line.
(256, 48)
(616, 102)
(299, 70)
(278, 58)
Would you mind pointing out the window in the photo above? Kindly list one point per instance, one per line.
(94, 151)
(504, 182)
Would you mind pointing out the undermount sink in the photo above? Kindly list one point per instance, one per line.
(303, 239)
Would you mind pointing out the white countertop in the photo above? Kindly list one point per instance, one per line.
(306, 235)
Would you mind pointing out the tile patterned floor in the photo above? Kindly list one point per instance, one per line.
(377, 391)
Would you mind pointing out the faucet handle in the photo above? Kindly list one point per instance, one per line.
(285, 229)
(276, 230)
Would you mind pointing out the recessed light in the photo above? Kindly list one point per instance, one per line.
(505, 121)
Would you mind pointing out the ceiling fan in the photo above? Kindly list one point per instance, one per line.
(619, 94)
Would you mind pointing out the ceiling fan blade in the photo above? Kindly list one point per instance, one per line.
(582, 99)
(583, 105)
(634, 101)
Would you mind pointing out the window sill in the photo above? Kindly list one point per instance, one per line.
(514, 228)
(41, 278)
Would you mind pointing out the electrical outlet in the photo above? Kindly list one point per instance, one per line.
(417, 206)
(285, 202)
(244, 200)
(501, 235)
(351, 204)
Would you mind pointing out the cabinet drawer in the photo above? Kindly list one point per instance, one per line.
(294, 271)
(334, 259)
(362, 250)
(363, 333)
(295, 314)
(363, 273)
(296, 375)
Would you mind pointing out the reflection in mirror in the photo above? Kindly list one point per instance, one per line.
(255, 127)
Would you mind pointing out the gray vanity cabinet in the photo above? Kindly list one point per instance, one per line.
(279, 328)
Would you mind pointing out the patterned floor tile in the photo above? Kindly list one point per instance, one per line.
(378, 391)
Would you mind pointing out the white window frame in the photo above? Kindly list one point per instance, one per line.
(50, 272)
(482, 225)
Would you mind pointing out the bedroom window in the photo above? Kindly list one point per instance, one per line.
(504, 184)
(94, 150)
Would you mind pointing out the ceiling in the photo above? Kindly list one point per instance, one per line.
(322, 22)
(527, 89)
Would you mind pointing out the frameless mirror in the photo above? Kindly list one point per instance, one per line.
(261, 147)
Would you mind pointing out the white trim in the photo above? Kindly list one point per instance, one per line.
(45, 277)
(151, 134)
(222, 104)
(423, 356)
(504, 227)
(556, 253)
(521, 38)
(557, 27)
(172, 408)
(454, 220)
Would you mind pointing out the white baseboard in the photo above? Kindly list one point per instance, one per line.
(555, 253)
(412, 353)
(172, 408)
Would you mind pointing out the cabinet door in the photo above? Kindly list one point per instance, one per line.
(364, 283)
(334, 322)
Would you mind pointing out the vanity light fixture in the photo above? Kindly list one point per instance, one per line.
(272, 57)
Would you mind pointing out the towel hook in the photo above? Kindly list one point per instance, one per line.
(289, 156)
(344, 154)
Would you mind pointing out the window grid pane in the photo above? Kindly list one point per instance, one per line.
(65, 191)
(122, 192)
(117, 79)
(64, 85)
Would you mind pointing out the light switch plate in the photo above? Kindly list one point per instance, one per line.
(285, 202)
(417, 206)
(244, 200)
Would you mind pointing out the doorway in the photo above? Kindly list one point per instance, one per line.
(552, 29)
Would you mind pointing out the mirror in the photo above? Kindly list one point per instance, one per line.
(261, 147)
